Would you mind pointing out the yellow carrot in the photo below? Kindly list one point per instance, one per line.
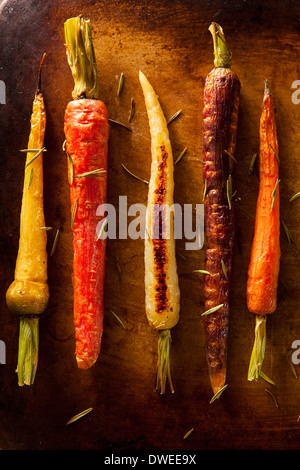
(28, 294)
(161, 279)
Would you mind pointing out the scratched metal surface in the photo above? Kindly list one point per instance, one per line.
(169, 41)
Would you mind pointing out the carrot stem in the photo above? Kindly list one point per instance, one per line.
(221, 51)
(28, 349)
(258, 351)
(163, 363)
(81, 58)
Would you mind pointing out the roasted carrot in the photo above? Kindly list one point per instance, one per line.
(220, 119)
(162, 300)
(264, 262)
(28, 295)
(86, 131)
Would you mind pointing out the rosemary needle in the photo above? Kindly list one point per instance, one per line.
(174, 117)
(79, 415)
(35, 156)
(132, 110)
(74, 213)
(224, 268)
(202, 271)
(216, 395)
(188, 433)
(120, 124)
(71, 168)
(132, 174)
(295, 197)
(181, 155)
(212, 310)
(272, 395)
(54, 243)
(121, 84)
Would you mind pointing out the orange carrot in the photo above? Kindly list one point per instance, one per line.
(86, 130)
(265, 253)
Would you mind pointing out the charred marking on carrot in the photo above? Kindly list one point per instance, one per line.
(159, 242)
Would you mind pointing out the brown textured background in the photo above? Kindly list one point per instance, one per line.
(170, 42)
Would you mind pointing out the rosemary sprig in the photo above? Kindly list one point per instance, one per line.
(116, 316)
(119, 270)
(217, 395)
(202, 271)
(102, 230)
(132, 110)
(132, 174)
(188, 433)
(93, 173)
(35, 156)
(30, 178)
(252, 163)
(295, 197)
(224, 268)
(31, 150)
(79, 415)
(120, 124)
(205, 190)
(121, 84)
(212, 310)
(229, 191)
(272, 395)
(230, 155)
(274, 194)
(293, 369)
(74, 213)
(287, 232)
(55, 242)
(181, 155)
(266, 378)
(174, 117)
(275, 154)
(71, 168)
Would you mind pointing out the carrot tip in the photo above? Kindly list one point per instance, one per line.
(85, 363)
(217, 381)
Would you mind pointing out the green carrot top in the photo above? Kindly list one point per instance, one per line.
(221, 51)
(81, 58)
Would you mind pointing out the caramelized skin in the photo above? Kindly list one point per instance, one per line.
(265, 253)
(162, 294)
(86, 132)
(29, 292)
(160, 252)
(220, 118)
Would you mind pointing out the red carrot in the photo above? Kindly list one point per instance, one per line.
(86, 131)
(220, 116)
